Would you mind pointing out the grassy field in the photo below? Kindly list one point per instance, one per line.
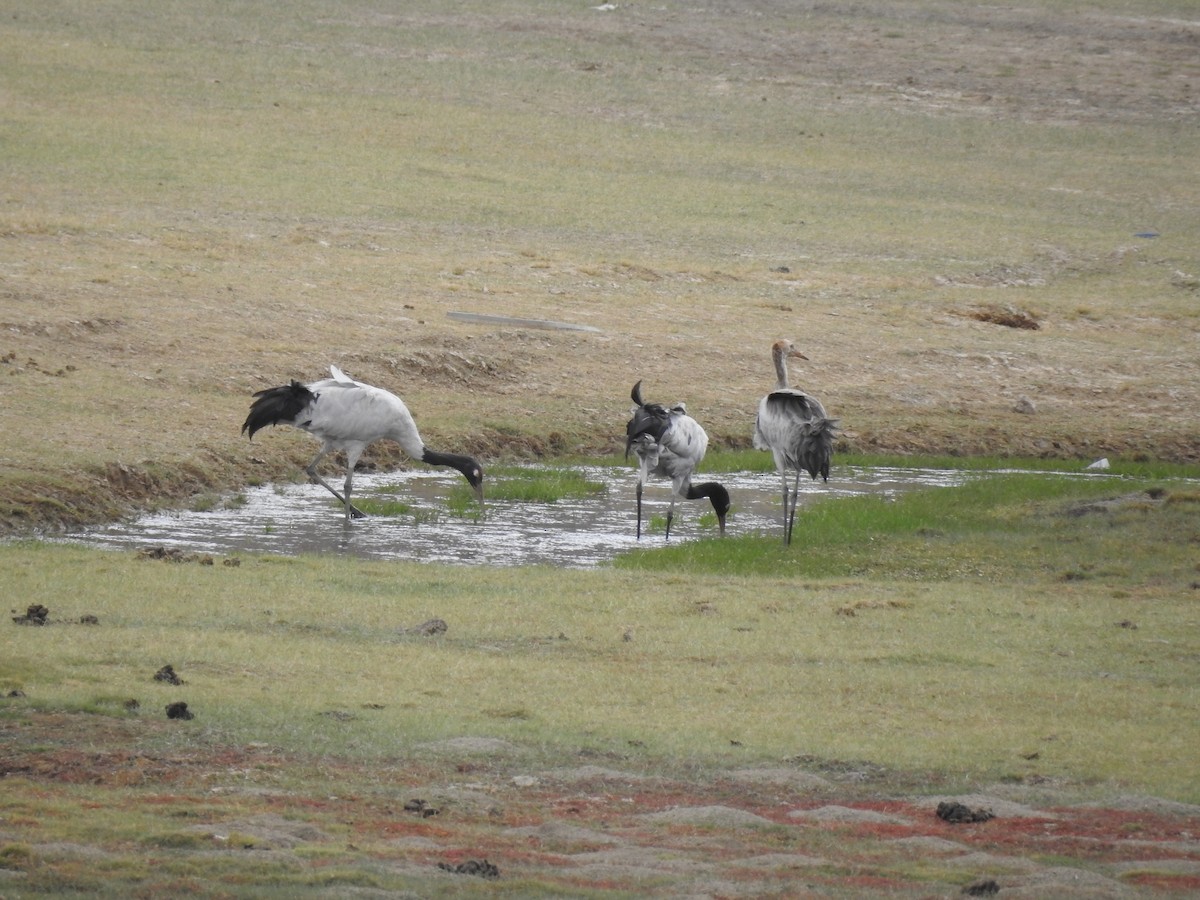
(943, 607)
(996, 641)
(198, 201)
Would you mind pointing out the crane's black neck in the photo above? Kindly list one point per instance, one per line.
(471, 470)
(715, 492)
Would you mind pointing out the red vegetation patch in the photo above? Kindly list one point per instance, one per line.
(1183, 885)
(1086, 833)
(596, 834)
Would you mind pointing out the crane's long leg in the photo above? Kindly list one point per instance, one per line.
(783, 478)
(792, 512)
(639, 510)
(315, 477)
(670, 516)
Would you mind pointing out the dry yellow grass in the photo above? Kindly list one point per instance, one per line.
(195, 207)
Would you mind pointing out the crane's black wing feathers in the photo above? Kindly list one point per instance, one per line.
(650, 419)
(278, 404)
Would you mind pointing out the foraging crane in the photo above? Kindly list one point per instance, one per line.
(794, 427)
(670, 443)
(345, 414)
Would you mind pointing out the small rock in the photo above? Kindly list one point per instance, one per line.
(1024, 406)
(132, 704)
(88, 620)
(179, 710)
(233, 562)
(15, 692)
(1101, 463)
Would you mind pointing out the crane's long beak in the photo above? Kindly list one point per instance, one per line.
(796, 354)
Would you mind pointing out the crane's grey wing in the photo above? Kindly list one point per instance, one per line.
(778, 414)
(681, 450)
(810, 446)
(795, 406)
(685, 439)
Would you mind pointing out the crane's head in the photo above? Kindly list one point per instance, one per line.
(469, 467)
(717, 495)
(474, 476)
(721, 505)
(785, 349)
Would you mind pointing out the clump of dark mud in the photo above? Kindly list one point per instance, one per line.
(1006, 316)
(428, 628)
(480, 867)
(953, 811)
(421, 808)
(35, 614)
(167, 675)
(179, 710)
(175, 555)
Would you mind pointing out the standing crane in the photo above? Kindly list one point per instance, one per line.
(670, 443)
(794, 427)
(344, 414)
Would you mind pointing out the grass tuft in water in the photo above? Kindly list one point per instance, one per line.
(375, 506)
(530, 484)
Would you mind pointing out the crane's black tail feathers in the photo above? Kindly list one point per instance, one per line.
(277, 404)
(636, 394)
(811, 446)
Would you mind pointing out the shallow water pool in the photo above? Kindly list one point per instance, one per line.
(294, 519)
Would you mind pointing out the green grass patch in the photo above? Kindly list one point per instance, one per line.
(530, 484)
(382, 506)
(887, 625)
(1014, 526)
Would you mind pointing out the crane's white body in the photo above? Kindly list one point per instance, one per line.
(348, 415)
(670, 444)
(344, 414)
(796, 429)
(676, 455)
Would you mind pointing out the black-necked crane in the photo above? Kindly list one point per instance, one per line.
(344, 414)
(670, 443)
(795, 428)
